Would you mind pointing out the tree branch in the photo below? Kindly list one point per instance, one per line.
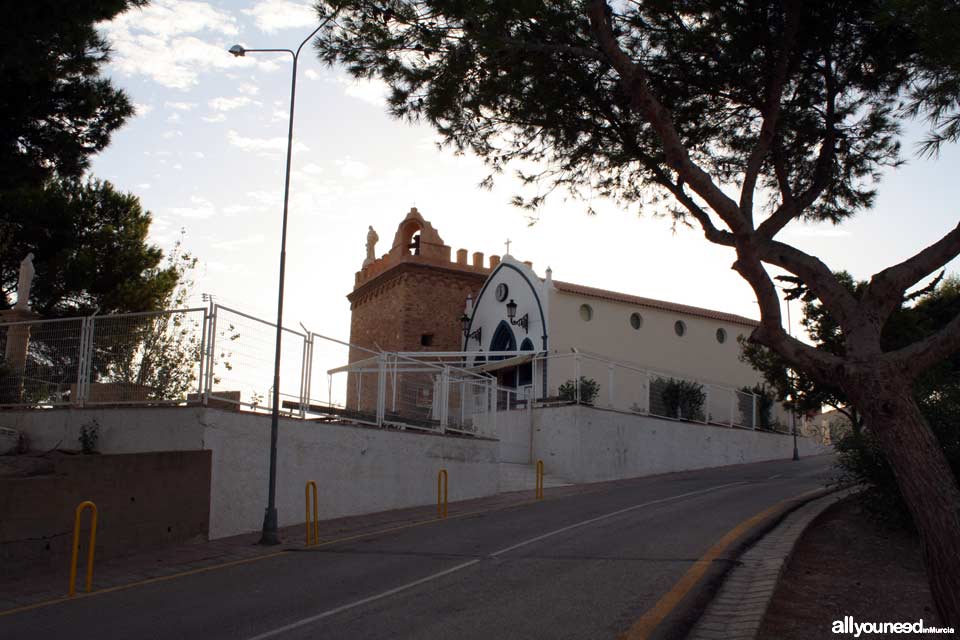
(771, 111)
(886, 288)
(920, 356)
(815, 274)
(791, 208)
(815, 362)
(635, 84)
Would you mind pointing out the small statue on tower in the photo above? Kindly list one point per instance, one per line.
(372, 239)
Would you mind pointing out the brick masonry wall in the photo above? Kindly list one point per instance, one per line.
(143, 499)
(396, 309)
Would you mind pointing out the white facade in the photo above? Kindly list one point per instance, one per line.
(676, 340)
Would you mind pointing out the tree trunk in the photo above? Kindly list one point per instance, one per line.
(925, 479)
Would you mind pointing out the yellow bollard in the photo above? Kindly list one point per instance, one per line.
(442, 504)
(316, 514)
(539, 479)
(76, 546)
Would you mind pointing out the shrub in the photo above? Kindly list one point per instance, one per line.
(764, 405)
(589, 389)
(862, 460)
(89, 434)
(681, 398)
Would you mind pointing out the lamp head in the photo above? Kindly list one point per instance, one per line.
(511, 309)
(237, 51)
(465, 323)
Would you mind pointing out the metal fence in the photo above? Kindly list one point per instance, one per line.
(219, 355)
(412, 391)
(116, 359)
(626, 387)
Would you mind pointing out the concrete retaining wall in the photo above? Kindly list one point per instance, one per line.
(583, 444)
(357, 470)
(143, 500)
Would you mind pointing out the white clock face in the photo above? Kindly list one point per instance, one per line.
(502, 292)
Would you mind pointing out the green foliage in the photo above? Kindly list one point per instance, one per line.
(527, 81)
(88, 239)
(71, 227)
(765, 402)
(681, 399)
(89, 435)
(158, 352)
(862, 460)
(57, 110)
(937, 391)
(589, 388)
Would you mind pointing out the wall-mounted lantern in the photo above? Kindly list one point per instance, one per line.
(467, 334)
(523, 322)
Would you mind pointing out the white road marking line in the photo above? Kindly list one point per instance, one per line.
(775, 477)
(385, 594)
(464, 565)
(608, 515)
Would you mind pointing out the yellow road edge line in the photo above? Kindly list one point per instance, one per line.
(644, 626)
(257, 558)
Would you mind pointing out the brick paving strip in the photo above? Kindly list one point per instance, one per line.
(37, 585)
(737, 611)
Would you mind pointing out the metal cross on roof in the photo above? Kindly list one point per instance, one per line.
(508, 246)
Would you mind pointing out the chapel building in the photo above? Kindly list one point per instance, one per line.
(417, 297)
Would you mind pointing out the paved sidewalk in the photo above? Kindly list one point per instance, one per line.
(737, 611)
(33, 586)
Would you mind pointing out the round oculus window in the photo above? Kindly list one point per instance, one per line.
(680, 327)
(721, 335)
(502, 291)
(636, 320)
(586, 312)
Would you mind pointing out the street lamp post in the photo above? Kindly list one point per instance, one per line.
(270, 534)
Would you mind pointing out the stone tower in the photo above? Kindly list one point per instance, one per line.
(412, 297)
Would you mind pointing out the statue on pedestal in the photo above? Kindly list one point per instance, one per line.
(24, 282)
(372, 239)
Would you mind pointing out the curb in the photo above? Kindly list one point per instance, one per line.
(737, 610)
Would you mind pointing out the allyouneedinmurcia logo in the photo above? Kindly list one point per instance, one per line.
(849, 626)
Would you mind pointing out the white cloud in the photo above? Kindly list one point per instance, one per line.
(161, 42)
(270, 145)
(201, 209)
(237, 209)
(353, 168)
(180, 106)
(370, 91)
(197, 154)
(173, 118)
(217, 117)
(239, 242)
(143, 186)
(311, 74)
(142, 109)
(264, 197)
(173, 133)
(273, 15)
(312, 168)
(228, 104)
(249, 89)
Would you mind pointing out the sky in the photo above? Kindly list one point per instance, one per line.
(205, 154)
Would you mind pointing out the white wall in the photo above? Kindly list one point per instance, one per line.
(655, 345)
(357, 470)
(524, 287)
(582, 444)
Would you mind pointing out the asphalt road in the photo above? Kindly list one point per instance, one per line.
(581, 566)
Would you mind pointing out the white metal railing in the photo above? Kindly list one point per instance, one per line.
(128, 358)
(219, 355)
(628, 387)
